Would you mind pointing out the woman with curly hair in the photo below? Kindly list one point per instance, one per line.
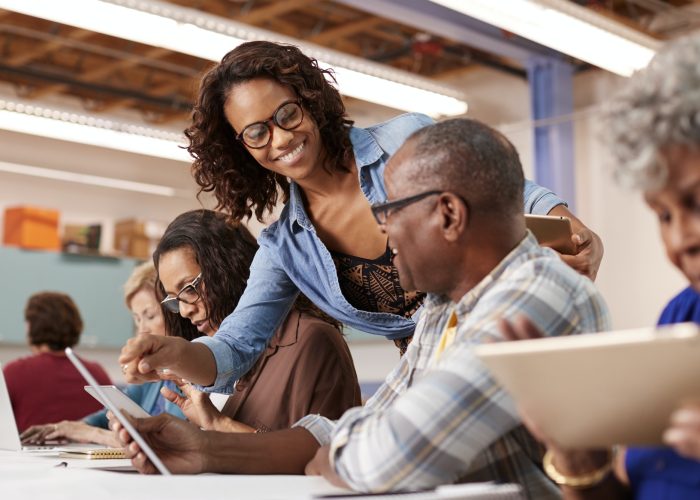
(268, 125)
(203, 263)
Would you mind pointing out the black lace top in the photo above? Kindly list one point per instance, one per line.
(373, 285)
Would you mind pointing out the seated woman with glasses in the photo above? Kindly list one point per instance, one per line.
(270, 126)
(140, 298)
(203, 265)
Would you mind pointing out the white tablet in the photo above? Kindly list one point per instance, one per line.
(598, 390)
(111, 406)
(121, 400)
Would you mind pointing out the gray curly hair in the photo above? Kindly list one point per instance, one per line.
(659, 107)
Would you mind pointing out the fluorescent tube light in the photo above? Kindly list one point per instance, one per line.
(192, 32)
(567, 28)
(28, 118)
(92, 180)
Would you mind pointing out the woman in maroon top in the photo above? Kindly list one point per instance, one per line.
(45, 387)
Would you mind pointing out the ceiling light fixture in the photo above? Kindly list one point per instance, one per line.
(568, 28)
(189, 31)
(28, 118)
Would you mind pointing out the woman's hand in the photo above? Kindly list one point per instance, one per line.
(589, 246)
(194, 404)
(684, 433)
(147, 357)
(67, 430)
(199, 410)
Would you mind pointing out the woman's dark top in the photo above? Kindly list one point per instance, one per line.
(373, 285)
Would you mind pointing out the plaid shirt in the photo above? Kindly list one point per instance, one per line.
(444, 420)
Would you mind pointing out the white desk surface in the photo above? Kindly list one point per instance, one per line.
(30, 475)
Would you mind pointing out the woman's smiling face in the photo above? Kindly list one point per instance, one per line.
(292, 153)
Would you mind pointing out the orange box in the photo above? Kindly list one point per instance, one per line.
(31, 227)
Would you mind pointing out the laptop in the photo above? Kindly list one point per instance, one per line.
(111, 406)
(602, 389)
(9, 435)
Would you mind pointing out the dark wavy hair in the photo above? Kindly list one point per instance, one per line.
(222, 164)
(224, 251)
(54, 320)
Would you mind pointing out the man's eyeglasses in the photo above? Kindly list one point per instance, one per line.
(382, 211)
(287, 117)
(188, 294)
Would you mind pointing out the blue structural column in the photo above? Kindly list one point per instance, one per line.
(551, 96)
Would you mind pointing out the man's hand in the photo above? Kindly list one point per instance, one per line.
(684, 433)
(179, 444)
(320, 465)
(589, 246)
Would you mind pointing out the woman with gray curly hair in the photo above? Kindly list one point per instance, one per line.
(654, 135)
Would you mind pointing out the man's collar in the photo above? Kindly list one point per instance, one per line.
(469, 300)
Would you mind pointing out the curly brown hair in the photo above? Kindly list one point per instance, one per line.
(54, 320)
(222, 164)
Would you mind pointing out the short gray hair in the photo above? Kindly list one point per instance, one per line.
(659, 107)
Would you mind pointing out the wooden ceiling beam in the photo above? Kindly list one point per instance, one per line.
(272, 10)
(103, 71)
(345, 30)
(108, 69)
(159, 90)
(45, 48)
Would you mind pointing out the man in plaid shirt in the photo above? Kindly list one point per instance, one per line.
(456, 230)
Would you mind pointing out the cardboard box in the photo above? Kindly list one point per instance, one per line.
(31, 227)
(136, 238)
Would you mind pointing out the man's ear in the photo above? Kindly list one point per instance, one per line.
(454, 215)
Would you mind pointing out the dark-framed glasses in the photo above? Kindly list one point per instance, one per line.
(287, 117)
(188, 294)
(382, 211)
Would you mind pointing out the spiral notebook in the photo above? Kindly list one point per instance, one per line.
(94, 454)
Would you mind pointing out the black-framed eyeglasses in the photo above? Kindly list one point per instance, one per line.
(382, 211)
(187, 294)
(287, 117)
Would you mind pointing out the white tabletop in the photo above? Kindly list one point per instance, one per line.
(30, 475)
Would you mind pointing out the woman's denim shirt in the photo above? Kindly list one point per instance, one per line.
(292, 258)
